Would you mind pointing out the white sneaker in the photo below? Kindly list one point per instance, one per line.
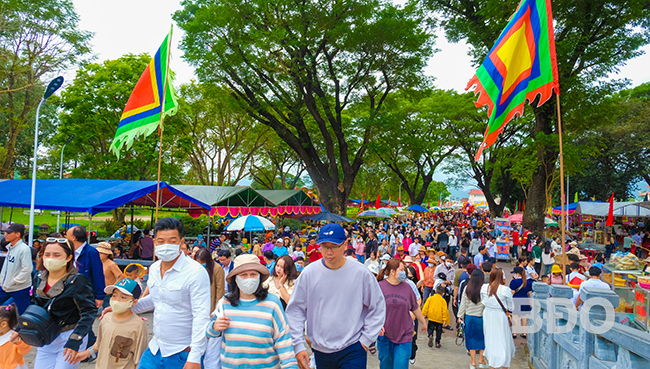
(412, 361)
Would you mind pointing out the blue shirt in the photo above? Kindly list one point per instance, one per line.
(478, 259)
(279, 251)
(271, 266)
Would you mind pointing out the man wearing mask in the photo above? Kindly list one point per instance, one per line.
(16, 274)
(178, 292)
(88, 262)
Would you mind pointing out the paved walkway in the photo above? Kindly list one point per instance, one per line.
(449, 356)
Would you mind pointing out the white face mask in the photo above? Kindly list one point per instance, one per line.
(120, 306)
(167, 251)
(54, 265)
(450, 264)
(248, 285)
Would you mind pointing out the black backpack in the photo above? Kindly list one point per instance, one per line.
(37, 328)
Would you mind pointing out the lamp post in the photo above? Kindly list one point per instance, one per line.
(51, 88)
(58, 216)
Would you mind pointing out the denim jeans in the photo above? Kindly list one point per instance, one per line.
(393, 355)
(157, 361)
(20, 298)
(351, 357)
(428, 291)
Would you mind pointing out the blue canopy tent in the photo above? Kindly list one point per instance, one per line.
(93, 195)
(418, 208)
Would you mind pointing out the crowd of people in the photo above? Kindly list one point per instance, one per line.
(323, 302)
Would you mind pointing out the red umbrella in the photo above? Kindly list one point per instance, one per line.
(516, 218)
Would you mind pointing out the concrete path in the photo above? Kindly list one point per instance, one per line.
(449, 356)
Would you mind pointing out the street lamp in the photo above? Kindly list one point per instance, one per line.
(58, 216)
(51, 88)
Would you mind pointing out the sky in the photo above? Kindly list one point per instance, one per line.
(137, 26)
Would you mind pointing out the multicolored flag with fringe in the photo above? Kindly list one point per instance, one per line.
(521, 65)
(144, 112)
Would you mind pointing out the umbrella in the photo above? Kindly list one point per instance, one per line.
(388, 211)
(250, 223)
(417, 208)
(327, 216)
(373, 214)
(516, 218)
(550, 222)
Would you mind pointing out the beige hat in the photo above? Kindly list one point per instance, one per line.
(408, 259)
(104, 248)
(246, 262)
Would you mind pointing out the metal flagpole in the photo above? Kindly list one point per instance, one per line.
(162, 117)
(562, 209)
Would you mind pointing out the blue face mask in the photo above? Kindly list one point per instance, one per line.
(204, 266)
(401, 276)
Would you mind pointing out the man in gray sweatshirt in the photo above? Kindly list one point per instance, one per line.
(16, 274)
(342, 304)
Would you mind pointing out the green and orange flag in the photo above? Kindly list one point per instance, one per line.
(144, 112)
(521, 65)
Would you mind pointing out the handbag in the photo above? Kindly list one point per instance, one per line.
(37, 328)
(504, 309)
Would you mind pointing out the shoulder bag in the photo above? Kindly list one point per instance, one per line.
(37, 328)
(504, 308)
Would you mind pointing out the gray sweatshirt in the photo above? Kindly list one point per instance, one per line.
(341, 307)
(16, 272)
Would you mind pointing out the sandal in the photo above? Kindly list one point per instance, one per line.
(514, 336)
(524, 336)
(372, 350)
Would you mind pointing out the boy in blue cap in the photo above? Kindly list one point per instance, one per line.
(122, 335)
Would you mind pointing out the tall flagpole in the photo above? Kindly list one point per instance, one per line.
(562, 209)
(162, 118)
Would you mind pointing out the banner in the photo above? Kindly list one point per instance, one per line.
(503, 250)
(586, 219)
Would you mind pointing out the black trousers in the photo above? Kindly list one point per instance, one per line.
(414, 347)
(437, 327)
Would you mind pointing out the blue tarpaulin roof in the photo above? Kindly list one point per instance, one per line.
(92, 195)
(419, 208)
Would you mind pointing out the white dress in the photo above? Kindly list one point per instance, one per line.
(499, 345)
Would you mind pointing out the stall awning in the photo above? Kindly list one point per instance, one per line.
(288, 197)
(226, 196)
(629, 209)
(93, 195)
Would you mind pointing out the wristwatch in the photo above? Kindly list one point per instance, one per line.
(76, 337)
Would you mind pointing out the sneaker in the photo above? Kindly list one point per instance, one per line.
(430, 341)
(437, 344)
(412, 361)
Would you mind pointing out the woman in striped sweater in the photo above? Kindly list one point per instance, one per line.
(251, 321)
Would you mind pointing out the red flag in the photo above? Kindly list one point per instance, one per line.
(610, 216)
(399, 202)
(378, 202)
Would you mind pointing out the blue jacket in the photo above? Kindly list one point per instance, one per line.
(90, 265)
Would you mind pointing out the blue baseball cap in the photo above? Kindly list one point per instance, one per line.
(126, 286)
(333, 233)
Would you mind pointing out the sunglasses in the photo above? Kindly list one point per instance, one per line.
(59, 240)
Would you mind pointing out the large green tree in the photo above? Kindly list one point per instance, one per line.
(92, 106)
(412, 142)
(37, 39)
(302, 67)
(593, 38)
(221, 139)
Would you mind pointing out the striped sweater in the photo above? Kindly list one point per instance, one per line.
(258, 336)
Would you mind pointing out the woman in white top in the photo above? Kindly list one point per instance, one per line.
(499, 345)
(283, 279)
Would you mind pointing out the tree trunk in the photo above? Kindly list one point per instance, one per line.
(426, 181)
(118, 215)
(331, 196)
(536, 202)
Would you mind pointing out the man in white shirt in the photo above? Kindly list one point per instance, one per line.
(179, 294)
(414, 248)
(491, 247)
(16, 274)
(593, 282)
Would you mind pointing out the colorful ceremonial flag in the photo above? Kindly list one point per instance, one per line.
(378, 202)
(142, 113)
(399, 201)
(521, 65)
(610, 214)
(575, 199)
(390, 201)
